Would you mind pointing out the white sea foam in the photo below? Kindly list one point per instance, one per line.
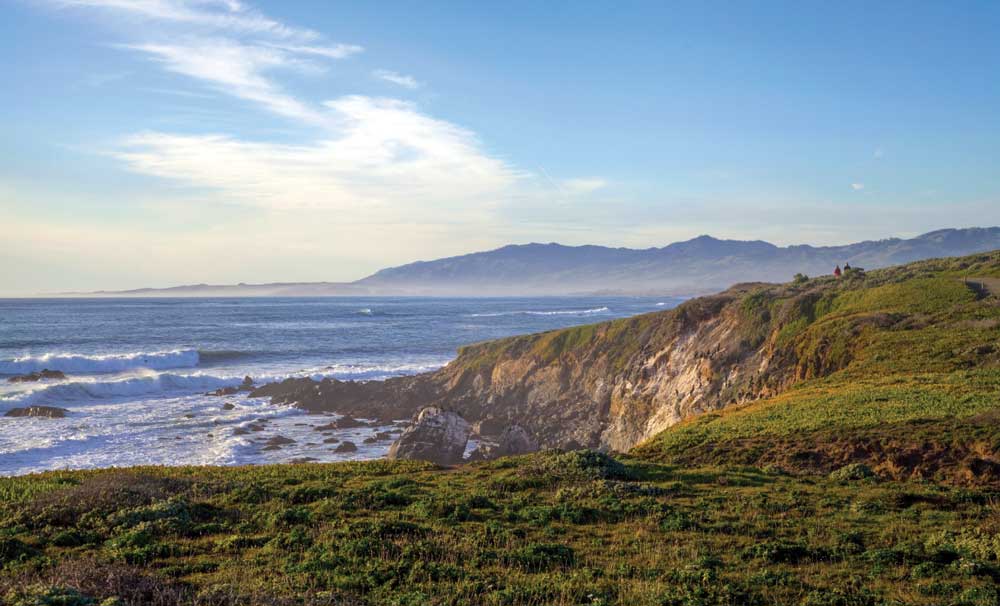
(556, 312)
(366, 372)
(67, 362)
(148, 384)
(139, 385)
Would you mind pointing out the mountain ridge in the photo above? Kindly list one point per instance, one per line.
(701, 265)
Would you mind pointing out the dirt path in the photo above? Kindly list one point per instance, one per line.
(984, 286)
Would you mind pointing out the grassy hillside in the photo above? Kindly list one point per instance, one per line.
(576, 528)
(918, 390)
(869, 478)
(910, 344)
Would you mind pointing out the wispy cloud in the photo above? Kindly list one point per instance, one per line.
(386, 155)
(396, 78)
(338, 51)
(228, 15)
(234, 68)
(225, 44)
(368, 157)
(583, 185)
(857, 186)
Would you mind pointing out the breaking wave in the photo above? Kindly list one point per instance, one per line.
(142, 385)
(557, 312)
(160, 360)
(367, 372)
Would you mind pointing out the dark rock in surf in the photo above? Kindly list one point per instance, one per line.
(341, 423)
(224, 391)
(44, 374)
(346, 447)
(279, 441)
(45, 412)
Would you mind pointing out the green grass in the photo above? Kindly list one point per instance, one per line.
(901, 359)
(549, 528)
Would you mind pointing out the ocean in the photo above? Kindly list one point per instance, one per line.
(138, 370)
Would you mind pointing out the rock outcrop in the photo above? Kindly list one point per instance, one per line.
(40, 375)
(47, 412)
(437, 435)
(608, 385)
(514, 440)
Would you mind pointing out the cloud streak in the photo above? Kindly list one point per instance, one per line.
(234, 68)
(396, 78)
(385, 156)
(229, 15)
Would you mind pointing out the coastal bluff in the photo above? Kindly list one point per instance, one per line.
(616, 384)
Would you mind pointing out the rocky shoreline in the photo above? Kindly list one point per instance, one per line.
(605, 386)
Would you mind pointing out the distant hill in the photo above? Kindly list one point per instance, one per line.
(704, 264)
(698, 266)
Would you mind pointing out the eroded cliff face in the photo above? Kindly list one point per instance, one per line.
(609, 385)
(615, 384)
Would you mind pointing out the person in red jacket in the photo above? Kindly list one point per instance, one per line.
(836, 272)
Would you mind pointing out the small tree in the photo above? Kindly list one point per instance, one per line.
(800, 279)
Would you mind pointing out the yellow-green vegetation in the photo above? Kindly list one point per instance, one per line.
(917, 390)
(872, 478)
(550, 528)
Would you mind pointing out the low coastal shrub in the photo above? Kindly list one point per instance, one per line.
(595, 529)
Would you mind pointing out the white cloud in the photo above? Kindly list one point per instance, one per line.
(234, 68)
(857, 186)
(212, 14)
(878, 154)
(226, 45)
(339, 51)
(384, 155)
(369, 156)
(396, 78)
(583, 185)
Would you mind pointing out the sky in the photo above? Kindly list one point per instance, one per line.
(165, 142)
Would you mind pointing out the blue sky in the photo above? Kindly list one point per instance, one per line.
(156, 142)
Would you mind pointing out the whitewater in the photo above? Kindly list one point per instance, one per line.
(140, 372)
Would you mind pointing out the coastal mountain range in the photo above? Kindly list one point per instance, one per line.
(698, 266)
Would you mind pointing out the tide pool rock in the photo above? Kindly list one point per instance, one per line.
(346, 447)
(437, 435)
(46, 412)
